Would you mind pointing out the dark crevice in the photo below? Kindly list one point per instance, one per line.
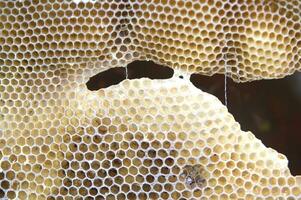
(106, 78)
(148, 69)
(271, 109)
(135, 70)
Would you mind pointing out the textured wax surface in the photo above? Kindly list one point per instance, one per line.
(248, 40)
(141, 139)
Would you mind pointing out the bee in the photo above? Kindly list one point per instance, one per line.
(193, 176)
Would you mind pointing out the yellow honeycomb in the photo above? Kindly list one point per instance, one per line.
(141, 139)
(247, 40)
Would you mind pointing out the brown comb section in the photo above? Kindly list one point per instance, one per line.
(247, 40)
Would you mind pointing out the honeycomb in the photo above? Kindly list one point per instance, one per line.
(246, 40)
(141, 139)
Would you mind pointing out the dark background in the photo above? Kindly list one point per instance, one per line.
(271, 109)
